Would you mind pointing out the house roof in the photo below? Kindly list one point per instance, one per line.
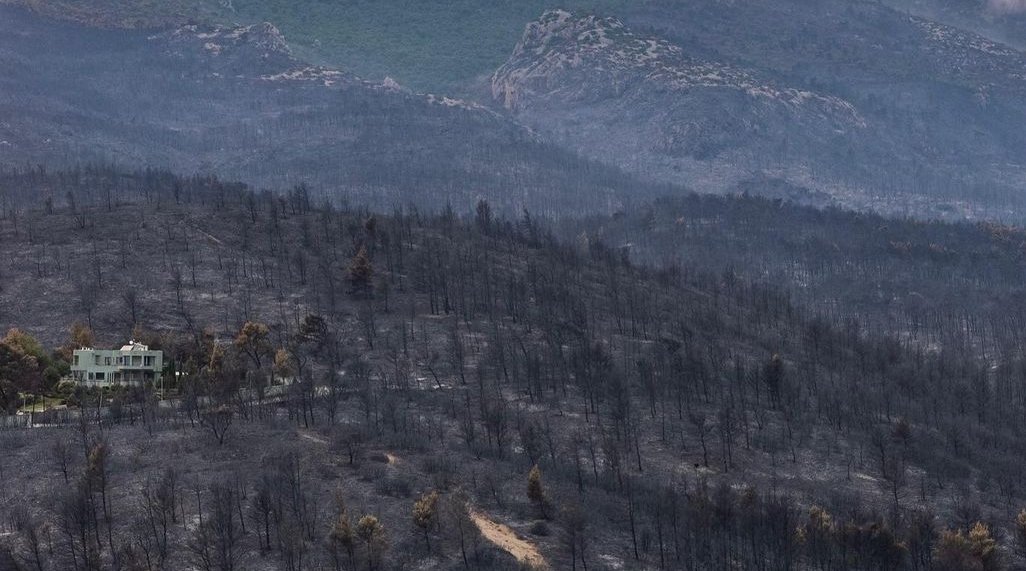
(134, 345)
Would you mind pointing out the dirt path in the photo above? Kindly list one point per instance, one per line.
(506, 539)
(313, 437)
(305, 435)
(208, 235)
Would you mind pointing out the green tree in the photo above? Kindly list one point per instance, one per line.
(361, 273)
(253, 341)
(372, 534)
(957, 551)
(341, 537)
(80, 336)
(22, 366)
(25, 343)
(425, 511)
(284, 365)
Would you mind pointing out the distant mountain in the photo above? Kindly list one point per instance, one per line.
(643, 102)
(429, 46)
(930, 127)
(130, 14)
(234, 101)
(1001, 20)
(908, 107)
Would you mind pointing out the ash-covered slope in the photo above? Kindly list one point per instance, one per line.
(474, 350)
(234, 101)
(884, 135)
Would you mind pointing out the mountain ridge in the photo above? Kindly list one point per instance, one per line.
(928, 130)
(647, 105)
(236, 102)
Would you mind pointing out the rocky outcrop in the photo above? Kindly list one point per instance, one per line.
(589, 59)
(647, 105)
(973, 58)
(258, 50)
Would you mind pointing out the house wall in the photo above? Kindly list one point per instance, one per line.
(105, 361)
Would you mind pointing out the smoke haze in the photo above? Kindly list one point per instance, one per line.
(1007, 6)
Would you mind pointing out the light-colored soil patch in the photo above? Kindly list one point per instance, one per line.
(392, 458)
(313, 438)
(209, 236)
(506, 539)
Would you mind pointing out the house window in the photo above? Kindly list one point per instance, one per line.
(148, 361)
(107, 361)
(99, 376)
(90, 376)
(76, 360)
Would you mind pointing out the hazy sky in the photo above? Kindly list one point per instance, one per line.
(1008, 5)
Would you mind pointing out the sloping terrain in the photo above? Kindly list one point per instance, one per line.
(461, 384)
(235, 102)
(645, 104)
(866, 105)
(933, 284)
(1001, 20)
(702, 409)
(865, 109)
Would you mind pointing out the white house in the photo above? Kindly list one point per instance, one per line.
(132, 364)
